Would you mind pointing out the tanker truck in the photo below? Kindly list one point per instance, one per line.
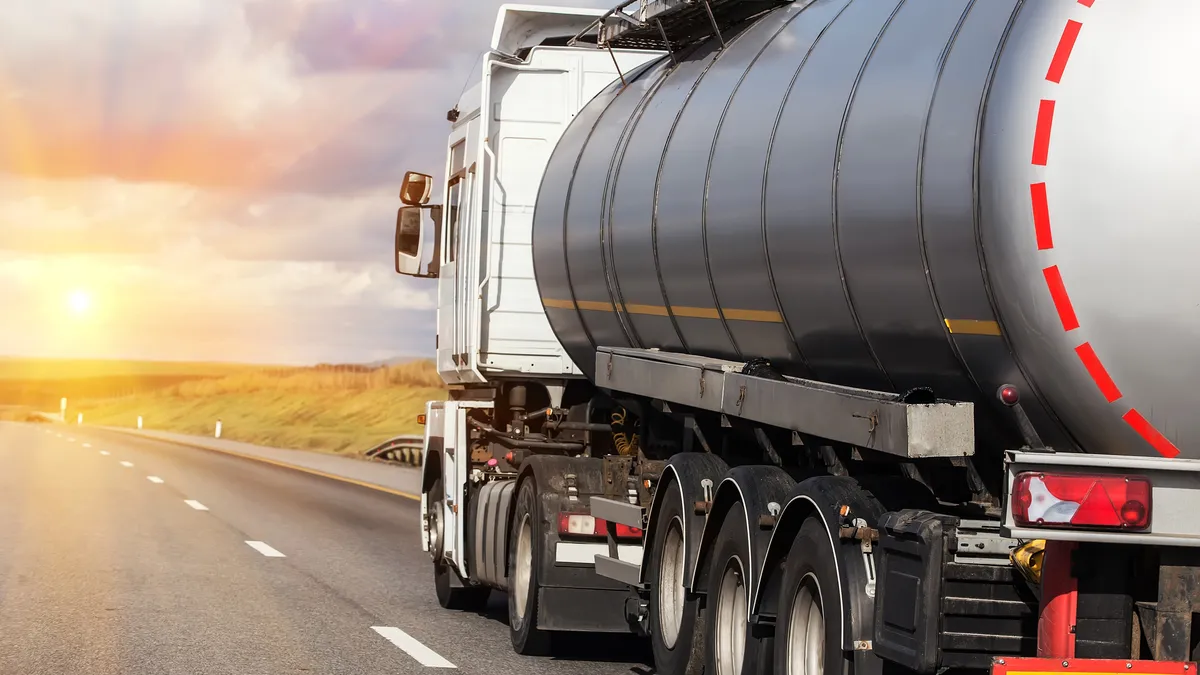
(823, 337)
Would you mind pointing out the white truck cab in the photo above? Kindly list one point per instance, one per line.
(491, 323)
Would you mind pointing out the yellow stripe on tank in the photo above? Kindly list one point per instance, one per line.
(754, 315)
(972, 327)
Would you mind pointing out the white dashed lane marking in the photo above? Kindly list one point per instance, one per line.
(105, 453)
(265, 549)
(195, 504)
(87, 445)
(154, 479)
(424, 655)
(127, 465)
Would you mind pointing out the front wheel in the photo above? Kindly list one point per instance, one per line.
(449, 596)
(807, 631)
(469, 598)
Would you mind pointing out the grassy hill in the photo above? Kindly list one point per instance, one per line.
(330, 408)
(41, 383)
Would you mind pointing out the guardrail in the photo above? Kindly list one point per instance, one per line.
(399, 450)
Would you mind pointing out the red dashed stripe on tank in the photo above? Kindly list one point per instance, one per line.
(1039, 200)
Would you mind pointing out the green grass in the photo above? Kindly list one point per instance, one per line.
(343, 409)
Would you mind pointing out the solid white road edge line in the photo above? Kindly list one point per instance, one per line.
(195, 504)
(265, 549)
(424, 655)
(154, 479)
(127, 465)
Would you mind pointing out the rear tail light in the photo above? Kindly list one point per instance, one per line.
(583, 525)
(1081, 501)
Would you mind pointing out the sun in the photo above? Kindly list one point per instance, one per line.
(80, 302)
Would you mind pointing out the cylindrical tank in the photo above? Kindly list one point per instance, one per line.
(897, 193)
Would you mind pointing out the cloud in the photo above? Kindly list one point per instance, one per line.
(222, 173)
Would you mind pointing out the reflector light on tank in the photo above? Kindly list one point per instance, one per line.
(1081, 501)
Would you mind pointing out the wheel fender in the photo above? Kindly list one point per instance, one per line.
(431, 463)
(824, 497)
(549, 473)
(683, 475)
(755, 487)
(431, 471)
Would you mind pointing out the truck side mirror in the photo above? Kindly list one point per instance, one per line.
(416, 188)
(410, 242)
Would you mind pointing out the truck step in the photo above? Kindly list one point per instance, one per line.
(614, 511)
(619, 570)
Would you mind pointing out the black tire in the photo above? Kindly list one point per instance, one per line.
(731, 556)
(469, 598)
(472, 598)
(527, 639)
(810, 572)
(683, 655)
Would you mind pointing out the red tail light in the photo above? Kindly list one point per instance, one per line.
(584, 525)
(1082, 501)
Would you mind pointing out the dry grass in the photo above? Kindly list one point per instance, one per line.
(340, 409)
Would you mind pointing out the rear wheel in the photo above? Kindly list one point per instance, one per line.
(449, 596)
(524, 552)
(676, 622)
(730, 647)
(807, 632)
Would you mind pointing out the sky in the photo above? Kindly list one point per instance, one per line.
(218, 179)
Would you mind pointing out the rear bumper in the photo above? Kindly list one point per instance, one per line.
(1035, 666)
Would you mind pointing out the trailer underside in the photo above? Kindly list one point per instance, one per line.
(738, 518)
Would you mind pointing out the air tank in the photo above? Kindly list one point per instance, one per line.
(956, 194)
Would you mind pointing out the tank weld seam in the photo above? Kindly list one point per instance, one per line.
(1054, 282)
(963, 326)
(607, 235)
(767, 175)
(837, 165)
(712, 154)
(662, 164)
(712, 284)
(567, 217)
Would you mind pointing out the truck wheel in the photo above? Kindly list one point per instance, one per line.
(470, 598)
(524, 552)
(731, 649)
(676, 622)
(807, 630)
(449, 597)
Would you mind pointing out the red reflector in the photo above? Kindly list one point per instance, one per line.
(1083, 501)
(584, 525)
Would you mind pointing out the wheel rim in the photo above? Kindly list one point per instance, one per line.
(670, 585)
(523, 565)
(806, 630)
(435, 531)
(730, 626)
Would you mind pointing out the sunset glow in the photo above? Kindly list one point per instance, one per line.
(216, 180)
(80, 302)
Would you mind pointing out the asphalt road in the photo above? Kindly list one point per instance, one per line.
(129, 555)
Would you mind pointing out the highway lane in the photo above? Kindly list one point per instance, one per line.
(103, 570)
